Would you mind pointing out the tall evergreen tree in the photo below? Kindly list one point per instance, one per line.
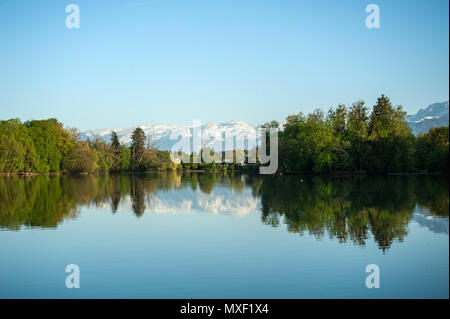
(115, 149)
(338, 119)
(357, 132)
(390, 138)
(137, 148)
(381, 118)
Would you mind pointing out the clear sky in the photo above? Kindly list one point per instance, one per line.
(170, 62)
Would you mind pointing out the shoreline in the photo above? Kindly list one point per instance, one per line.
(336, 173)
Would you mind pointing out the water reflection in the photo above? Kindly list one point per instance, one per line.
(353, 209)
(350, 209)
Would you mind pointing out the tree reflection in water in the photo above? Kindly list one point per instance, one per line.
(348, 209)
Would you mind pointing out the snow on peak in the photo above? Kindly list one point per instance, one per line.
(160, 134)
(434, 115)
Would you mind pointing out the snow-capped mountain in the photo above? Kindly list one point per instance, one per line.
(164, 137)
(434, 115)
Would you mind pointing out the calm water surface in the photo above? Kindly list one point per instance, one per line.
(223, 236)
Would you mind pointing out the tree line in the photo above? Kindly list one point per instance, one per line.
(349, 139)
(44, 146)
(346, 139)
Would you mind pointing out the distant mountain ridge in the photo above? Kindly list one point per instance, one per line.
(435, 115)
(160, 135)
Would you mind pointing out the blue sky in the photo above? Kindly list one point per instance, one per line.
(170, 62)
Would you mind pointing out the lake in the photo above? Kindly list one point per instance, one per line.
(206, 235)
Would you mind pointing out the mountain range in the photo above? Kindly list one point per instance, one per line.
(434, 115)
(164, 137)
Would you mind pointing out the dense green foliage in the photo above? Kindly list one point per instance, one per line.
(33, 146)
(344, 140)
(432, 150)
(46, 147)
(352, 140)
